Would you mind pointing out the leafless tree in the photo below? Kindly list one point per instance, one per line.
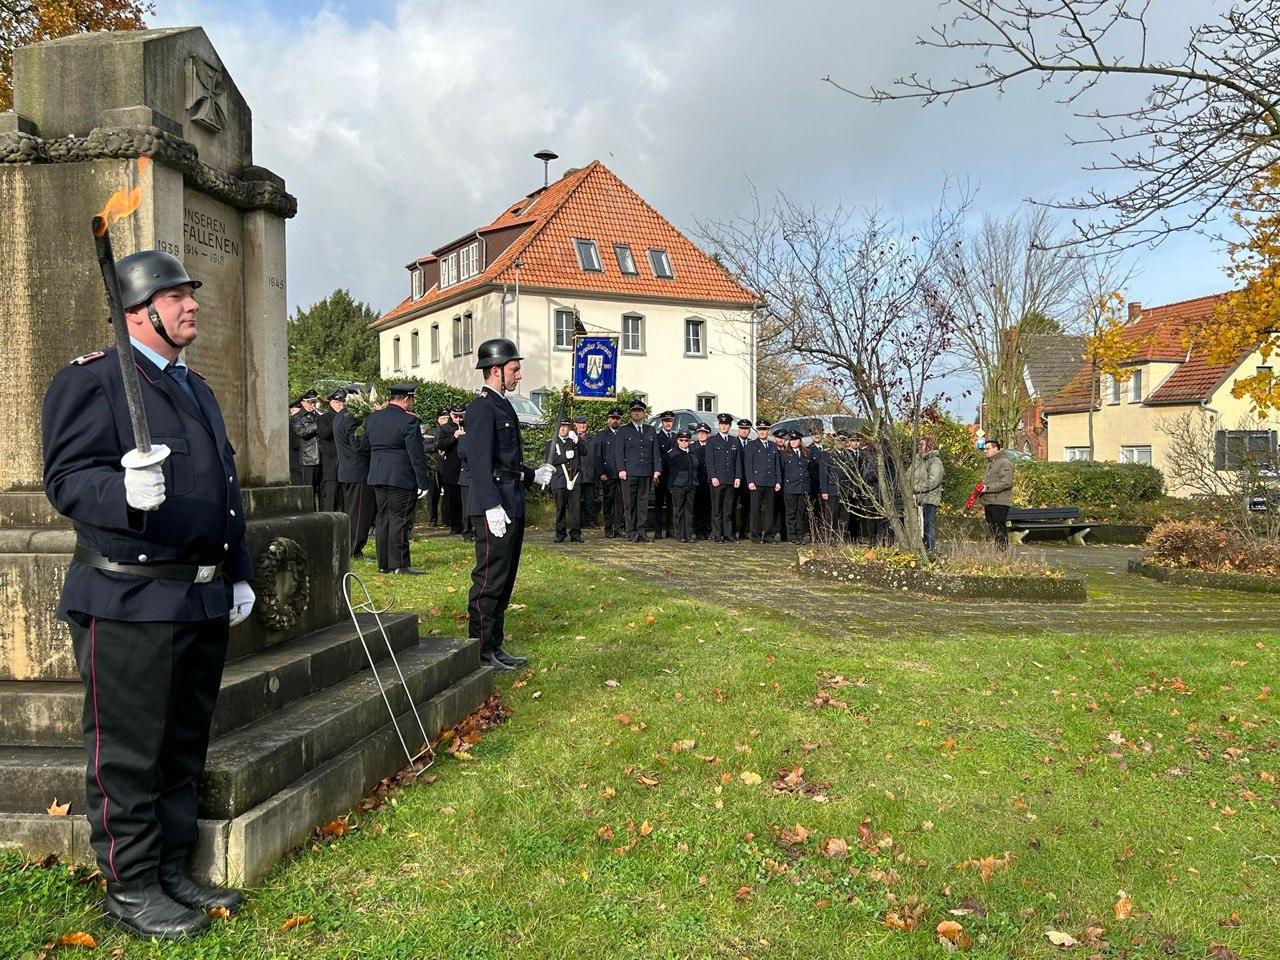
(1206, 127)
(863, 299)
(1199, 464)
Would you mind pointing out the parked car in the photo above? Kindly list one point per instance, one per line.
(824, 423)
(530, 413)
(687, 419)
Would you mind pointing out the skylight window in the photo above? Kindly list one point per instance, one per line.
(660, 263)
(588, 255)
(626, 262)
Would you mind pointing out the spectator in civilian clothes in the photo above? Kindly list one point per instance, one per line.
(997, 491)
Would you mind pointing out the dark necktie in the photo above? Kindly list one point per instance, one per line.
(179, 373)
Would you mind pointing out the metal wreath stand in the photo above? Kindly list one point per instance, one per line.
(367, 606)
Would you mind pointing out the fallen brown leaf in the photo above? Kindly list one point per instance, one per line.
(334, 828)
(834, 848)
(949, 930)
(296, 921)
(742, 893)
(57, 809)
(1124, 906)
(219, 913)
(77, 939)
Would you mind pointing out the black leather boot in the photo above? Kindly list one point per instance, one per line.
(490, 659)
(190, 892)
(142, 907)
(510, 659)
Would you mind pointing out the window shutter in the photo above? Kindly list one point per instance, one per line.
(1220, 450)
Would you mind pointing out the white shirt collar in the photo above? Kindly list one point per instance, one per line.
(161, 362)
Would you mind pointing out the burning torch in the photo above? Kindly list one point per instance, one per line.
(122, 204)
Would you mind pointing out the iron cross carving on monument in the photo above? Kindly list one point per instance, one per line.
(206, 88)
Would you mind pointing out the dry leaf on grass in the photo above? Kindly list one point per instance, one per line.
(297, 920)
(750, 778)
(742, 893)
(1124, 906)
(334, 828)
(219, 913)
(1060, 939)
(77, 939)
(949, 930)
(682, 745)
(834, 848)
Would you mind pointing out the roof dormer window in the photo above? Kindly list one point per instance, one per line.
(448, 270)
(588, 255)
(660, 263)
(469, 261)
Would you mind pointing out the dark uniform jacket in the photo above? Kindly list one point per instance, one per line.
(699, 450)
(636, 450)
(795, 472)
(724, 459)
(396, 458)
(822, 473)
(762, 464)
(328, 446)
(295, 449)
(567, 467)
(353, 450)
(447, 452)
(605, 440)
(494, 456)
(682, 468)
(588, 458)
(306, 428)
(86, 430)
(666, 443)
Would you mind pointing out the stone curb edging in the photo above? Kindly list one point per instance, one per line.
(946, 586)
(1214, 579)
(130, 142)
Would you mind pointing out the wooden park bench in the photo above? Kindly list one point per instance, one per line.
(1064, 520)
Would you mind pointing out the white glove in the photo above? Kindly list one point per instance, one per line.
(569, 454)
(144, 486)
(542, 476)
(422, 493)
(242, 598)
(497, 519)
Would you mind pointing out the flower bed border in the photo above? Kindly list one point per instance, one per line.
(945, 586)
(1214, 579)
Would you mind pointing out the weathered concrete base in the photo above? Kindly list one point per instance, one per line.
(242, 849)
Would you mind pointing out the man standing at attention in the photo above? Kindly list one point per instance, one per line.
(398, 475)
(495, 499)
(159, 574)
(610, 485)
(353, 474)
(724, 470)
(637, 462)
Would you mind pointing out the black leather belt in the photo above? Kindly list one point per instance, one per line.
(186, 572)
(501, 473)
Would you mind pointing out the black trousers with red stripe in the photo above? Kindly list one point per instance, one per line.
(394, 525)
(149, 694)
(492, 580)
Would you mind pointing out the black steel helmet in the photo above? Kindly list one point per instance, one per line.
(146, 273)
(496, 352)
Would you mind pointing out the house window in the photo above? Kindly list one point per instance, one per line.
(466, 332)
(1075, 453)
(632, 333)
(706, 403)
(1140, 454)
(469, 261)
(435, 343)
(564, 329)
(457, 336)
(660, 263)
(416, 273)
(395, 354)
(1244, 450)
(1111, 388)
(695, 341)
(588, 255)
(449, 271)
(1263, 371)
(626, 262)
(540, 398)
(1135, 389)
(413, 349)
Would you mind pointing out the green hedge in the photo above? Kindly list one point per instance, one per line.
(1084, 484)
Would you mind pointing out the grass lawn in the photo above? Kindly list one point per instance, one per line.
(646, 798)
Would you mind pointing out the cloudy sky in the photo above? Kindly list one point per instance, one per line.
(400, 125)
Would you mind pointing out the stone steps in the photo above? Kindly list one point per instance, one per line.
(251, 763)
(48, 713)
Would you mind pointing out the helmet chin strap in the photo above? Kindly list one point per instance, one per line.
(502, 377)
(158, 324)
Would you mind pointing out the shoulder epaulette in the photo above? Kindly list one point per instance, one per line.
(89, 357)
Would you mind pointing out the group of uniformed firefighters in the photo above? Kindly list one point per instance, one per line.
(756, 483)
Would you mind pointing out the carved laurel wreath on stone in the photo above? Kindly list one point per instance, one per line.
(282, 584)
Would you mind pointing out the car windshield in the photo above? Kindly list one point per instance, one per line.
(523, 406)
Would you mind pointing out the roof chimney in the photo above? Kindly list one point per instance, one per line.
(1135, 311)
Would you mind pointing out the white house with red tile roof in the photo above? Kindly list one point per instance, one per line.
(1131, 420)
(584, 255)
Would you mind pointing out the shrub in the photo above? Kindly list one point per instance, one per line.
(1256, 556)
(1084, 484)
(1192, 544)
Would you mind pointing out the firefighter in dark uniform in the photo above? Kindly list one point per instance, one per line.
(495, 499)
(589, 466)
(566, 482)
(821, 487)
(742, 499)
(682, 481)
(295, 445)
(702, 493)
(762, 472)
(796, 480)
(306, 428)
(661, 493)
(353, 474)
(779, 527)
(330, 489)
(637, 462)
(398, 475)
(724, 477)
(159, 573)
(447, 437)
(610, 485)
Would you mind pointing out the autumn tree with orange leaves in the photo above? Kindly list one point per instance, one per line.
(1108, 348)
(23, 22)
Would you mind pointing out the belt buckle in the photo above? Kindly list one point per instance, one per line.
(204, 574)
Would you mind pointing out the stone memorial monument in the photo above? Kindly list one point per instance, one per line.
(301, 731)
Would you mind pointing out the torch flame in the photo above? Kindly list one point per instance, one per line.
(121, 204)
